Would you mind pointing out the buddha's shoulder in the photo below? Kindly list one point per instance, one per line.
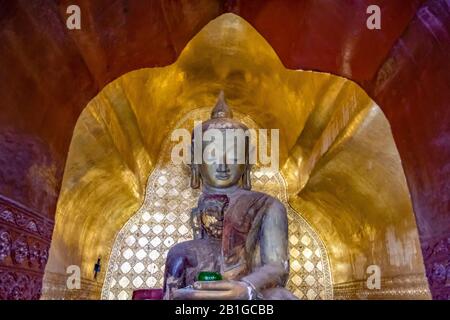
(268, 200)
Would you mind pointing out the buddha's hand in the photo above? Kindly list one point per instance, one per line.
(214, 290)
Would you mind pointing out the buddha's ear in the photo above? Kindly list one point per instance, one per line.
(195, 176)
(246, 179)
(195, 171)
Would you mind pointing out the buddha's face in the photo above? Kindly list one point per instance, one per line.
(220, 170)
(221, 175)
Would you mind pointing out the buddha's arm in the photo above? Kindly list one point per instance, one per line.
(274, 264)
(273, 240)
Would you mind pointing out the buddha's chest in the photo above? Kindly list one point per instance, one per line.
(235, 222)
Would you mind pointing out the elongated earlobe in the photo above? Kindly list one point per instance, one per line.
(195, 177)
(246, 179)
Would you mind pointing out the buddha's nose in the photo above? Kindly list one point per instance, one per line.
(223, 168)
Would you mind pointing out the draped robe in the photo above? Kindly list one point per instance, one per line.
(253, 246)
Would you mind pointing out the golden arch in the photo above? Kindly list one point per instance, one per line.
(337, 155)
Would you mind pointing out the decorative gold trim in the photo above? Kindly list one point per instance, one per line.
(414, 286)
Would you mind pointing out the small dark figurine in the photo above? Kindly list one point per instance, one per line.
(97, 268)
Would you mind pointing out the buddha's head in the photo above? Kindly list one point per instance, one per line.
(225, 161)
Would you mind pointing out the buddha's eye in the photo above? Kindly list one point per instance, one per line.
(211, 158)
(231, 158)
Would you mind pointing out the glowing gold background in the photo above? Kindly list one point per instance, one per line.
(336, 152)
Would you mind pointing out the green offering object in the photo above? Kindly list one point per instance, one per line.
(209, 276)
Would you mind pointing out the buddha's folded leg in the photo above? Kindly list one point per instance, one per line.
(278, 293)
(186, 259)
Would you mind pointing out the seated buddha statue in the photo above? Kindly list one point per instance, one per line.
(238, 233)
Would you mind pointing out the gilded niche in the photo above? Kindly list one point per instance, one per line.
(342, 172)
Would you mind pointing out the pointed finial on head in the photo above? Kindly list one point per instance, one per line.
(221, 109)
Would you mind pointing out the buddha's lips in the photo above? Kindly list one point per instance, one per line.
(223, 176)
